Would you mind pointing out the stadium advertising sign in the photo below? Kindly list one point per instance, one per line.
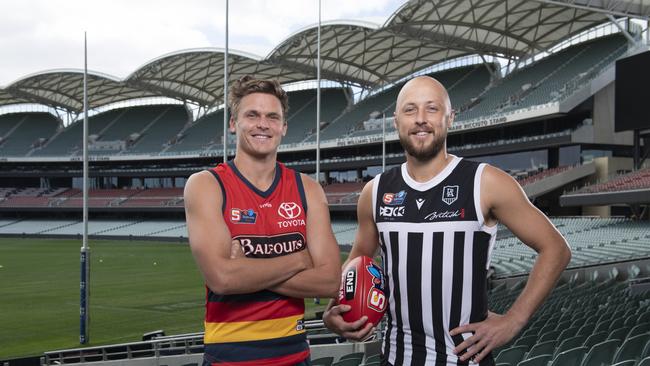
(479, 123)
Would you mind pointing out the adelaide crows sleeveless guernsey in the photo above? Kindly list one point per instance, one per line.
(261, 328)
(436, 250)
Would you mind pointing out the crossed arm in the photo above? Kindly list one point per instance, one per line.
(225, 273)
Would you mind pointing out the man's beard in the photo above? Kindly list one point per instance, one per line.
(425, 152)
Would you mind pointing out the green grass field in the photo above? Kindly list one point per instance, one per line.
(136, 287)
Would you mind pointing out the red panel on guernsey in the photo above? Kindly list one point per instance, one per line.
(268, 224)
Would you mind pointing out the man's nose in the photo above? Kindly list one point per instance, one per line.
(421, 116)
(263, 122)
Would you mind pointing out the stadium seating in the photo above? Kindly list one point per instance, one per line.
(302, 111)
(462, 83)
(639, 179)
(20, 134)
(322, 361)
(593, 241)
(343, 192)
(569, 357)
(198, 136)
(537, 176)
(632, 348)
(161, 130)
(536, 83)
(539, 360)
(512, 355)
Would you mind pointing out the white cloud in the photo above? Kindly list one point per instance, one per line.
(37, 35)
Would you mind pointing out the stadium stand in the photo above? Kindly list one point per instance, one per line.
(463, 84)
(302, 111)
(537, 83)
(198, 136)
(639, 179)
(161, 130)
(19, 134)
(593, 241)
(598, 314)
(343, 192)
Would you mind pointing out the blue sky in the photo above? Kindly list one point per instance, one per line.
(39, 35)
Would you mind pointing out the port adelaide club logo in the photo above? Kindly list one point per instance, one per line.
(449, 194)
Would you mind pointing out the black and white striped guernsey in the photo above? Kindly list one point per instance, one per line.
(436, 251)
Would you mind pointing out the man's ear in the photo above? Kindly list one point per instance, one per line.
(450, 118)
(284, 128)
(231, 125)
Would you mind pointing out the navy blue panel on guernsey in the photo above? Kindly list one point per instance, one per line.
(301, 190)
(247, 351)
(260, 296)
(223, 190)
(265, 194)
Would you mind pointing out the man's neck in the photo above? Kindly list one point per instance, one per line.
(259, 172)
(424, 171)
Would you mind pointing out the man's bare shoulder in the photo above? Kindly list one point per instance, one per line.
(310, 183)
(202, 181)
(496, 178)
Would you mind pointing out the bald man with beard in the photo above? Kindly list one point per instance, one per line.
(436, 242)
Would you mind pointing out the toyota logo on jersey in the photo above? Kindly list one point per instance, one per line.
(289, 210)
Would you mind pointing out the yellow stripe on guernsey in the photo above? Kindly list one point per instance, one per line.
(252, 330)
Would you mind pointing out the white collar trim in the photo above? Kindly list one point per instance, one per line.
(425, 186)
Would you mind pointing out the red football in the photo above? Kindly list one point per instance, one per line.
(363, 288)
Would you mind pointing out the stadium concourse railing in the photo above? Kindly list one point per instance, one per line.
(160, 346)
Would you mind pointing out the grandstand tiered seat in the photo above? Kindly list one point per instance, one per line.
(154, 197)
(68, 141)
(580, 302)
(19, 134)
(204, 132)
(162, 129)
(302, 111)
(463, 83)
(589, 60)
(537, 176)
(343, 192)
(639, 179)
(593, 241)
(534, 84)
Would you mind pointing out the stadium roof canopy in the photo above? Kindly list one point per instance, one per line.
(419, 34)
(197, 74)
(359, 53)
(64, 89)
(505, 28)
